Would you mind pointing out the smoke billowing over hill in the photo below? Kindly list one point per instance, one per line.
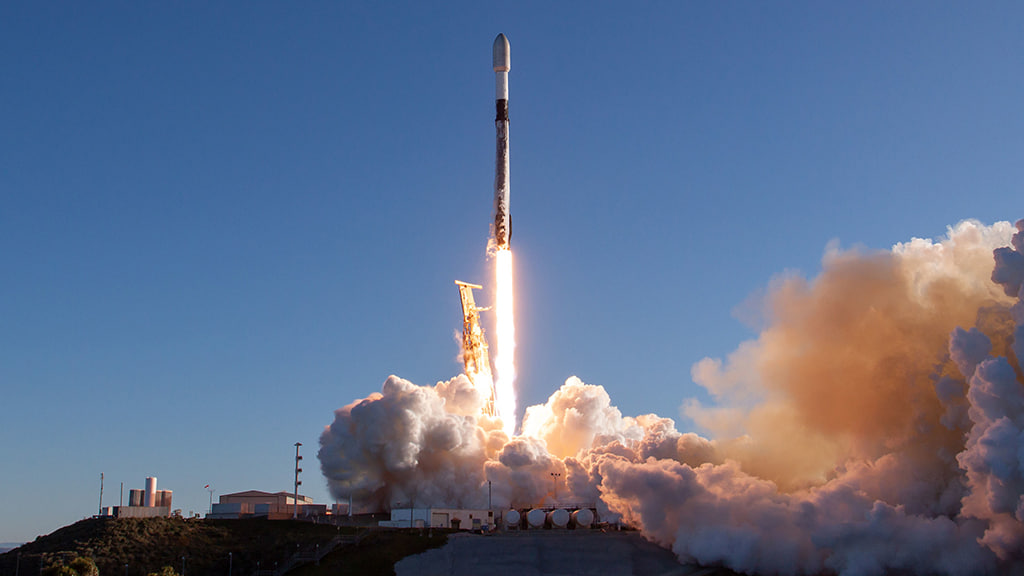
(875, 425)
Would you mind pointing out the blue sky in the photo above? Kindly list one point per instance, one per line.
(220, 222)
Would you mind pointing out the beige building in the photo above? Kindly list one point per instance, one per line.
(259, 497)
(256, 503)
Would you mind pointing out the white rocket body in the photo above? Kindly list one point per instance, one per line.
(502, 218)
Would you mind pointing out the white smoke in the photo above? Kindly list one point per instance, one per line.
(993, 458)
(411, 444)
(876, 425)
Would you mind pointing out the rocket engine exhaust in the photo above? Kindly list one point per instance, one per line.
(505, 327)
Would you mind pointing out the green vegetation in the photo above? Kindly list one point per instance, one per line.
(156, 546)
(84, 566)
(67, 564)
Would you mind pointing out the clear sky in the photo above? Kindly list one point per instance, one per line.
(219, 222)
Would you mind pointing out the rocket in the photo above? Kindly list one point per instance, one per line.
(502, 217)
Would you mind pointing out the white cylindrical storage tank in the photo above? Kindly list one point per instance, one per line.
(150, 491)
(559, 518)
(583, 517)
(535, 518)
(512, 519)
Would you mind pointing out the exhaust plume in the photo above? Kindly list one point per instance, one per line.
(874, 426)
(505, 328)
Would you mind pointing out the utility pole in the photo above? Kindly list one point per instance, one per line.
(100, 513)
(298, 459)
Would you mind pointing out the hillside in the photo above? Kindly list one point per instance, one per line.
(545, 552)
(136, 547)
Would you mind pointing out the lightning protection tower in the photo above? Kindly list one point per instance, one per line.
(298, 460)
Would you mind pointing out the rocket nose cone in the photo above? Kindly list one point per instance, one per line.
(501, 54)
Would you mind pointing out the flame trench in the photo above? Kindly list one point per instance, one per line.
(505, 327)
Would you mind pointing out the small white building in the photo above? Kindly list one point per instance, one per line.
(458, 518)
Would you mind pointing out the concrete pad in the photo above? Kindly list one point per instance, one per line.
(545, 553)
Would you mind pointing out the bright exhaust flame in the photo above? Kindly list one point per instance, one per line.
(504, 360)
(483, 382)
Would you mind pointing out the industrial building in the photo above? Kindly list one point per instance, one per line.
(146, 503)
(259, 504)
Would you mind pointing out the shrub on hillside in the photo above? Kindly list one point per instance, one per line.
(80, 566)
(84, 566)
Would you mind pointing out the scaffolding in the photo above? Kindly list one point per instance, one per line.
(475, 356)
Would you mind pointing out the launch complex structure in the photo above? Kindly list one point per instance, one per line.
(475, 356)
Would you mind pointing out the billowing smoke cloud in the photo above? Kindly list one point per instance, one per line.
(876, 425)
(411, 444)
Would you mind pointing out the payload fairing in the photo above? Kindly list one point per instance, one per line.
(502, 217)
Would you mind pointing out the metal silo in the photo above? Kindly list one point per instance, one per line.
(150, 492)
(163, 498)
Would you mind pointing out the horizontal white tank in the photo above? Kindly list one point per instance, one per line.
(512, 518)
(559, 518)
(535, 518)
(583, 517)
